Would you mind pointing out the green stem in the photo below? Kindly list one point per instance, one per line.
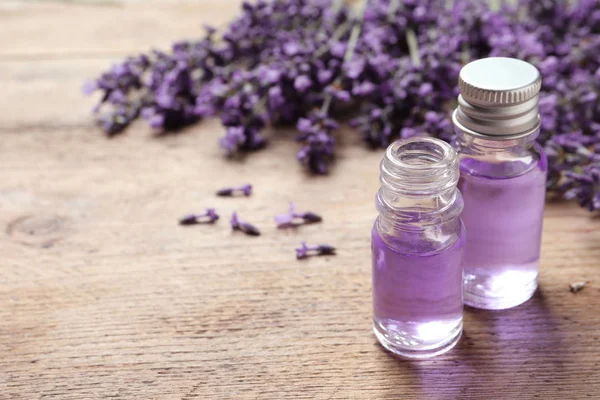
(260, 104)
(339, 32)
(413, 47)
(393, 7)
(337, 6)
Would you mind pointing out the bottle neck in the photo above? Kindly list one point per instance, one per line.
(418, 185)
(474, 144)
(497, 158)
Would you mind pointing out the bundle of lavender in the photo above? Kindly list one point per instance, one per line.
(390, 67)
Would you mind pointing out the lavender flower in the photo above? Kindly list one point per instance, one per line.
(321, 249)
(393, 66)
(584, 187)
(287, 220)
(209, 216)
(246, 190)
(239, 225)
(315, 133)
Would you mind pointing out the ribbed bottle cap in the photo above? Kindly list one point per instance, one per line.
(498, 97)
(499, 81)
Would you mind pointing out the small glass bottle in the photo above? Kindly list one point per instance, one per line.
(417, 246)
(503, 180)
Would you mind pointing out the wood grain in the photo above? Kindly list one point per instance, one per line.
(102, 295)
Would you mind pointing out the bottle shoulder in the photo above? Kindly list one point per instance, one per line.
(504, 165)
(421, 243)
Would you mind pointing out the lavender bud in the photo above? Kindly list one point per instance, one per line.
(301, 252)
(311, 217)
(246, 190)
(322, 249)
(189, 219)
(212, 215)
(249, 229)
(225, 192)
(287, 220)
(283, 220)
(192, 219)
(239, 225)
(325, 249)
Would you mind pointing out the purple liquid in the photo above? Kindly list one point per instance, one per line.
(417, 296)
(503, 217)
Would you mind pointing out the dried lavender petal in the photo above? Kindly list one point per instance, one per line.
(249, 229)
(325, 249)
(212, 214)
(234, 221)
(190, 219)
(577, 286)
(322, 249)
(311, 217)
(287, 220)
(237, 224)
(283, 220)
(302, 251)
(209, 216)
(225, 192)
(246, 190)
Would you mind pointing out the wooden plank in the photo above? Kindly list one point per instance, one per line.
(106, 295)
(46, 94)
(83, 29)
(103, 295)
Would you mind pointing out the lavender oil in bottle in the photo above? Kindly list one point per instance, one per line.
(503, 180)
(417, 246)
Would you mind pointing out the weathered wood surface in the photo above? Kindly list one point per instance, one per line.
(103, 295)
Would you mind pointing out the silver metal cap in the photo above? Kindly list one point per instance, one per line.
(498, 97)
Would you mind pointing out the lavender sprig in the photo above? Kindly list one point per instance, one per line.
(246, 190)
(316, 134)
(239, 225)
(287, 220)
(209, 216)
(584, 187)
(316, 130)
(321, 249)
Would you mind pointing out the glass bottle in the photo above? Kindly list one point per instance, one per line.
(417, 245)
(503, 180)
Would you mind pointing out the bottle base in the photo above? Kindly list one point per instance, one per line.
(407, 347)
(475, 296)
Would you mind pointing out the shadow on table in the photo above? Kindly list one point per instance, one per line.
(502, 354)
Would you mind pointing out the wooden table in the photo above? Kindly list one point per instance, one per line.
(103, 295)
